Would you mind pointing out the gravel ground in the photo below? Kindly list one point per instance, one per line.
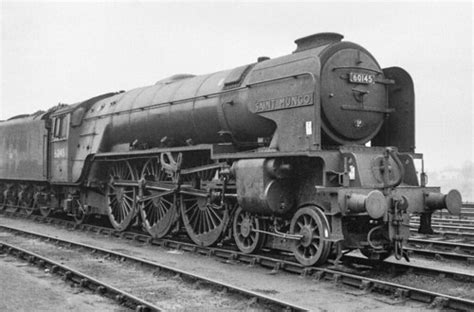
(305, 292)
(27, 288)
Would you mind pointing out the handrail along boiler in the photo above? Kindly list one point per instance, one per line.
(312, 152)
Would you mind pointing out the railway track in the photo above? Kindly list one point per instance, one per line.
(100, 287)
(428, 247)
(467, 212)
(441, 249)
(447, 221)
(448, 230)
(442, 219)
(255, 299)
(449, 225)
(335, 273)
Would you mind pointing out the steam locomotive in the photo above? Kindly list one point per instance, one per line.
(312, 153)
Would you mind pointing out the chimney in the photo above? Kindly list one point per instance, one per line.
(316, 40)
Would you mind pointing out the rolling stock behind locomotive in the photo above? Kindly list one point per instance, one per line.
(312, 152)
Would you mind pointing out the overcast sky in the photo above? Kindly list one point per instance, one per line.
(70, 51)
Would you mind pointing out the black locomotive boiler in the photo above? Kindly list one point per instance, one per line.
(312, 152)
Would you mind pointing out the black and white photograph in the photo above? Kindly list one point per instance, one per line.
(236, 155)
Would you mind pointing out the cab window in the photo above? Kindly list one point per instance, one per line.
(60, 127)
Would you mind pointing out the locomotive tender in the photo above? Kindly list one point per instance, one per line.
(312, 152)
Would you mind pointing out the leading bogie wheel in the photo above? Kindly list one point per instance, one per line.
(205, 221)
(246, 227)
(157, 209)
(313, 248)
(121, 203)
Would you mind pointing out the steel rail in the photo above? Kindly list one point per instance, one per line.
(441, 249)
(442, 220)
(464, 215)
(122, 297)
(400, 266)
(468, 235)
(467, 226)
(338, 276)
(445, 245)
(286, 306)
(440, 254)
(458, 228)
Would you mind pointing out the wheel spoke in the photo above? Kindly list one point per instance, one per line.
(216, 215)
(154, 215)
(166, 201)
(122, 211)
(200, 223)
(193, 207)
(211, 222)
(129, 199)
(126, 206)
(160, 211)
(147, 206)
(206, 226)
(203, 228)
(313, 249)
(194, 214)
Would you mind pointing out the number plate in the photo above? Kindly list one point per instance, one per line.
(361, 78)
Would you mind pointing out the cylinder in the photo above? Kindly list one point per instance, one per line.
(258, 192)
